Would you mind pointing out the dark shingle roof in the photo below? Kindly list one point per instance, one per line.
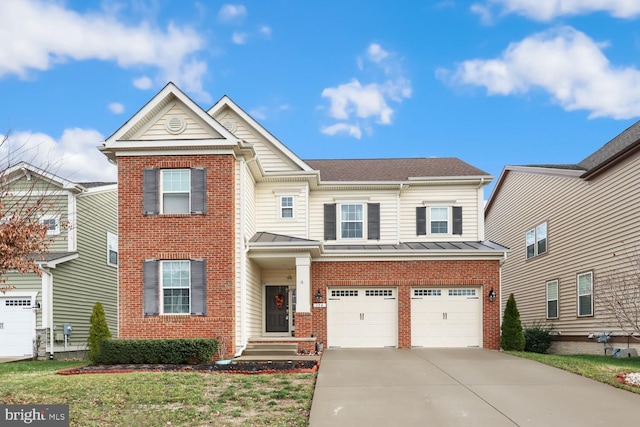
(96, 184)
(558, 166)
(392, 169)
(613, 149)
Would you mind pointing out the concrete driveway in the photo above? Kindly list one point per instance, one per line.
(459, 387)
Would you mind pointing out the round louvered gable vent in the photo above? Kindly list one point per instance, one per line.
(230, 124)
(175, 125)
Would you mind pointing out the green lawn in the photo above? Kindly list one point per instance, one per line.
(600, 368)
(161, 399)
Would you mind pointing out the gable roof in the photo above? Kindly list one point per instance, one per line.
(614, 150)
(393, 169)
(22, 169)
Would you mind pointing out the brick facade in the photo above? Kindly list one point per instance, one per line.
(210, 237)
(407, 274)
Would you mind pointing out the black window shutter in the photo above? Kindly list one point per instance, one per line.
(198, 191)
(150, 205)
(198, 287)
(421, 221)
(150, 286)
(373, 221)
(330, 221)
(457, 220)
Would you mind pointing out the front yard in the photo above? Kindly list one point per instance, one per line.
(600, 368)
(161, 398)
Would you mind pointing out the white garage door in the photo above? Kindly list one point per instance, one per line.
(446, 317)
(362, 318)
(17, 327)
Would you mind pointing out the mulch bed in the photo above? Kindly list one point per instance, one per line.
(303, 366)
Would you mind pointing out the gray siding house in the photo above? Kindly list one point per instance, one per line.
(569, 227)
(80, 268)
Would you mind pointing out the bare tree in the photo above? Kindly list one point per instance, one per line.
(23, 236)
(618, 292)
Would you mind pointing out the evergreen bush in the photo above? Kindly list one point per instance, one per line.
(512, 338)
(179, 351)
(537, 338)
(98, 332)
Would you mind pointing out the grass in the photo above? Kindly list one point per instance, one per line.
(600, 368)
(161, 398)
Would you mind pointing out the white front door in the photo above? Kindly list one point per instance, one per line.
(17, 326)
(362, 317)
(446, 317)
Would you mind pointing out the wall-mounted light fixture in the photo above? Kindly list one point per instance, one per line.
(492, 295)
(318, 296)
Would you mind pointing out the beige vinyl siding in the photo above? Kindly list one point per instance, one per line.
(388, 212)
(587, 222)
(271, 158)
(254, 300)
(268, 209)
(195, 128)
(445, 196)
(80, 283)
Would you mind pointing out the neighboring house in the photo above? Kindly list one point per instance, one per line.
(79, 269)
(566, 226)
(226, 233)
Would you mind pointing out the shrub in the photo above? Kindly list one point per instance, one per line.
(98, 332)
(537, 338)
(512, 337)
(172, 351)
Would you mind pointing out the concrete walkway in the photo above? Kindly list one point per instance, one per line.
(459, 387)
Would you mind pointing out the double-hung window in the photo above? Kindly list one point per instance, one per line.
(112, 249)
(351, 221)
(176, 191)
(176, 286)
(552, 299)
(585, 294)
(286, 207)
(536, 240)
(438, 220)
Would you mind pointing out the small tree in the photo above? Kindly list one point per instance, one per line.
(512, 336)
(98, 331)
(617, 291)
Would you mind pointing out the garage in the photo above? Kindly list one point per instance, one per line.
(362, 317)
(446, 317)
(17, 326)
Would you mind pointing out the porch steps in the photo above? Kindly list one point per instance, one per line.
(270, 349)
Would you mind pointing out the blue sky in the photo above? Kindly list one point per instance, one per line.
(493, 82)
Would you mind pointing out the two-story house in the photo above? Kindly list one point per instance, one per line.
(79, 269)
(226, 233)
(568, 227)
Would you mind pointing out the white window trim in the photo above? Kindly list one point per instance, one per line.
(163, 192)
(161, 284)
(578, 295)
(534, 230)
(557, 299)
(292, 207)
(449, 220)
(111, 240)
(364, 221)
(50, 232)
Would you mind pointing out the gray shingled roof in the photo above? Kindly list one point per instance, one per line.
(392, 169)
(96, 184)
(614, 148)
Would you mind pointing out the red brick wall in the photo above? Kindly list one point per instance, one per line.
(210, 237)
(404, 275)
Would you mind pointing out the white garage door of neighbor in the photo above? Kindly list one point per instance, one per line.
(446, 317)
(362, 318)
(17, 327)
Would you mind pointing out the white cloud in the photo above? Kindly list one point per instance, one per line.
(38, 35)
(351, 130)
(356, 104)
(546, 10)
(143, 83)
(74, 156)
(265, 31)
(229, 12)
(239, 38)
(116, 108)
(565, 63)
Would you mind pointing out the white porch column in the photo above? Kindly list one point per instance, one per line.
(303, 285)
